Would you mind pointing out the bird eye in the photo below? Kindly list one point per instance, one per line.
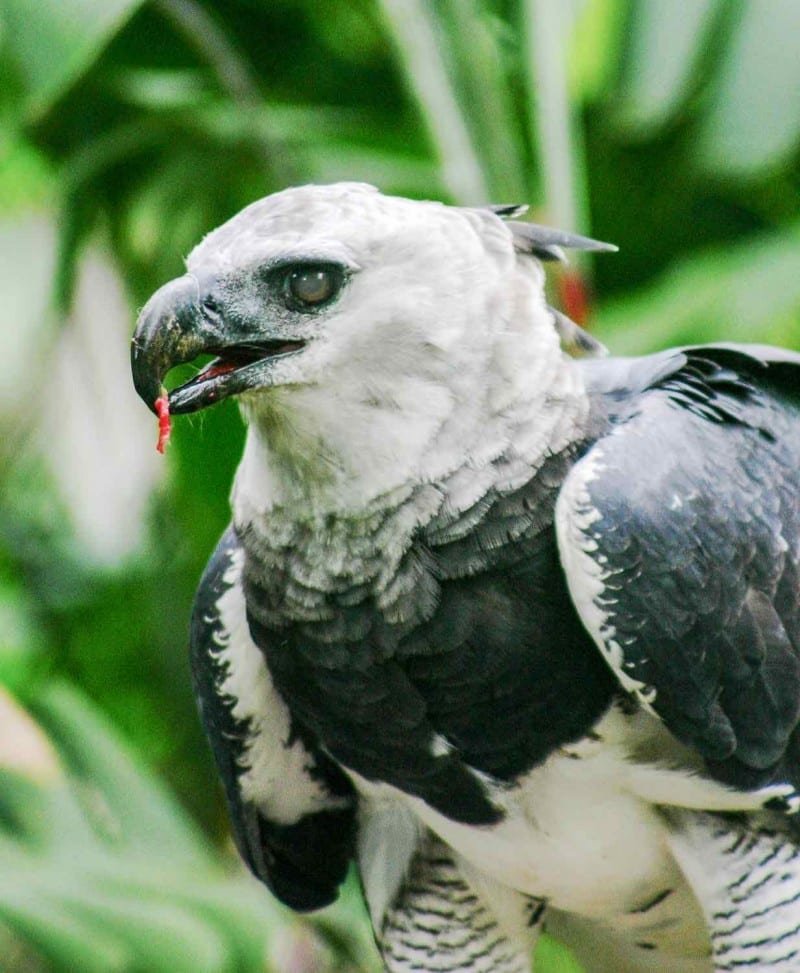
(311, 286)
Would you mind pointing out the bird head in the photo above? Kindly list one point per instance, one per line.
(348, 321)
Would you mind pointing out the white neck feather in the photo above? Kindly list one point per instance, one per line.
(475, 414)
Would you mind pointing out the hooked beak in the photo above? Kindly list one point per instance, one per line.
(174, 327)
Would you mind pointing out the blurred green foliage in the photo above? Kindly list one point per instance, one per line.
(102, 871)
(670, 129)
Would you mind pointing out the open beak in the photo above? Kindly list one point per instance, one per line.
(174, 328)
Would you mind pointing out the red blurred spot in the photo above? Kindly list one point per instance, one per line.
(574, 296)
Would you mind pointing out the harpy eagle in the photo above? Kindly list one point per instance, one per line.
(518, 633)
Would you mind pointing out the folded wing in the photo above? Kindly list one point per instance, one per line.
(679, 532)
(292, 810)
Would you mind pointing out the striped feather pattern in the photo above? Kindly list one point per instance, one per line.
(748, 883)
(438, 923)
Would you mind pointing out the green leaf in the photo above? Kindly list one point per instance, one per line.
(475, 43)
(68, 942)
(346, 928)
(594, 48)
(53, 42)
(26, 180)
(754, 117)
(553, 957)
(391, 172)
(665, 42)
(85, 903)
(415, 30)
(747, 293)
(28, 811)
(160, 934)
(132, 800)
(160, 90)
(240, 909)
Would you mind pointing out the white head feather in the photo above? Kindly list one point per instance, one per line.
(439, 351)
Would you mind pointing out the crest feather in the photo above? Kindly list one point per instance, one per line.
(544, 242)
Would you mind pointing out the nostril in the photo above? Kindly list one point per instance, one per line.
(211, 308)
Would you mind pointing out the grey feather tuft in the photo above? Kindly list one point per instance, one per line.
(574, 339)
(548, 244)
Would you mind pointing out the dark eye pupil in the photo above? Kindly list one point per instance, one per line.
(311, 286)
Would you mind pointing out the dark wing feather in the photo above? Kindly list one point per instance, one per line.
(680, 535)
(302, 855)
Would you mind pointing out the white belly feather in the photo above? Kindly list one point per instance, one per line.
(586, 831)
